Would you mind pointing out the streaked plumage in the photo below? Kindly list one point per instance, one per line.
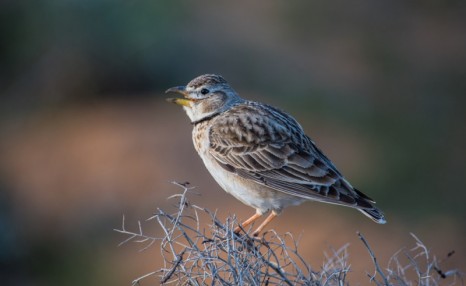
(260, 154)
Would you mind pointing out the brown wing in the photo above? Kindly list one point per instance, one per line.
(267, 146)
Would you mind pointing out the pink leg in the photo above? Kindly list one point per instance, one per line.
(266, 222)
(247, 222)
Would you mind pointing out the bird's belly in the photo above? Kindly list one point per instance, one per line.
(253, 194)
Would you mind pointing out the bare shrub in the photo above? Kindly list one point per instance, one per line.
(199, 249)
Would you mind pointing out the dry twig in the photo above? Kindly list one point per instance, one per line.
(193, 255)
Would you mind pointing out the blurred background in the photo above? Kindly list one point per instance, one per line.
(86, 135)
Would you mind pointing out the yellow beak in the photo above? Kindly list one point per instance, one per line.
(180, 101)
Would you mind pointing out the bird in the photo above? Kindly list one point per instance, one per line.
(260, 154)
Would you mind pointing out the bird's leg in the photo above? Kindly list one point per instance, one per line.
(247, 222)
(264, 223)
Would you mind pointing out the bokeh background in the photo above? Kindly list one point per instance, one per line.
(86, 136)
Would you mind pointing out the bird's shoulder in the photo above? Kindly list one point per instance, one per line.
(254, 123)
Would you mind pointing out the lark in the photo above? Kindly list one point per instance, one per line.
(260, 154)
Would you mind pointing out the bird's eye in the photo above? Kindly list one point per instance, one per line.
(204, 91)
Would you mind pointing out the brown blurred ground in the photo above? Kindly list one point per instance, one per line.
(86, 136)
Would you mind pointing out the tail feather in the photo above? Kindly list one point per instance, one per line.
(366, 205)
(375, 214)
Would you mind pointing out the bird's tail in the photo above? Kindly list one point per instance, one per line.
(366, 205)
(374, 214)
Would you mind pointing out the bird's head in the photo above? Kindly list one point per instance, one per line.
(205, 96)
